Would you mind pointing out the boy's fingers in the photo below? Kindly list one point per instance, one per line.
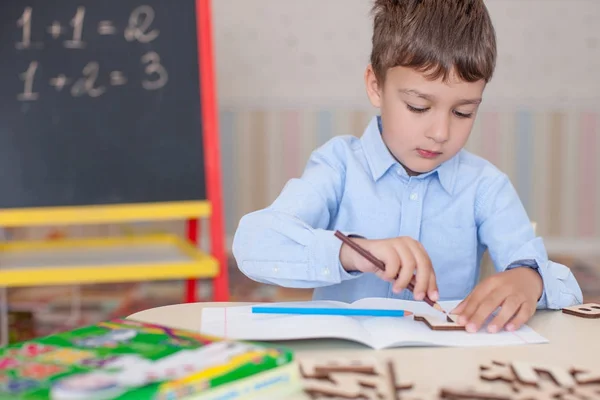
(509, 308)
(392, 264)
(459, 308)
(468, 307)
(483, 312)
(479, 295)
(424, 270)
(408, 264)
(480, 298)
(421, 250)
(525, 312)
(432, 289)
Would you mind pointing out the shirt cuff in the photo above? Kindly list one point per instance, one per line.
(560, 289)
(324, 258)
(532, 264)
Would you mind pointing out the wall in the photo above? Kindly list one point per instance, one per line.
(290, 77)
(288, 53)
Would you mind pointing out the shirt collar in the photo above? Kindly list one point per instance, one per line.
(447, 172)
(380, 159)
(378, 156)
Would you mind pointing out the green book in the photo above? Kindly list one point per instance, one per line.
(130, 360)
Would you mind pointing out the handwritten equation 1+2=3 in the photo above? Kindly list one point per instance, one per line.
(140, 28)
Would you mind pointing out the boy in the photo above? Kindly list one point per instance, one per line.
(407, 190)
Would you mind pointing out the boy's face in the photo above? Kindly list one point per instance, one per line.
(424, 122)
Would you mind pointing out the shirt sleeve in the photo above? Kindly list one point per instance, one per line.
(288, 243)
(507, 232)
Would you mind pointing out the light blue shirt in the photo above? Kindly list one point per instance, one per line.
(357, 187)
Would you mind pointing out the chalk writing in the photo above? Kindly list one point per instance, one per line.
(141, 28)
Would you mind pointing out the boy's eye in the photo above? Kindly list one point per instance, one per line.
(462, 115)
(422, 110)
(415, 109)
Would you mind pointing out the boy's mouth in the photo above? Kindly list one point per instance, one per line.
(428, 154)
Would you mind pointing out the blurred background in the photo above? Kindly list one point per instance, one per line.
(290, 77)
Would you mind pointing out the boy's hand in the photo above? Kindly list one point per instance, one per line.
(517, 291)
(401, 256)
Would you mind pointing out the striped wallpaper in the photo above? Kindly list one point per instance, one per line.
(550, 156)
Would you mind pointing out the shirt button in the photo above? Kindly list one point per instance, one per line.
(414, 196)
(325, 271)
(275, 269)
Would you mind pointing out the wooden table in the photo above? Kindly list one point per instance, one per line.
(574, 342)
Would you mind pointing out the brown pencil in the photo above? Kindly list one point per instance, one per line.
(381, 265)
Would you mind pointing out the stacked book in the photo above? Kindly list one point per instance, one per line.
(127, 360)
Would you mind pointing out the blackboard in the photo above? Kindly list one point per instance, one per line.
(99, 103)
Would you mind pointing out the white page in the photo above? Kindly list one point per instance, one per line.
(378, 332)
(399, 331)
(239, 323)
(405, 331)
(408, 332)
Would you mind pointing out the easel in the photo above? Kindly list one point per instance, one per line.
(108, 260)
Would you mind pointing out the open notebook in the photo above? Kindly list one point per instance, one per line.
(377, 332)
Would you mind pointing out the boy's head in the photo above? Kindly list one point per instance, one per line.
(430, 62)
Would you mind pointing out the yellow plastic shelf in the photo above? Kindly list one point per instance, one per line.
(102, 213)
(102, 260)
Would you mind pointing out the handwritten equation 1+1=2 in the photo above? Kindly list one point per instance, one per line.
(140, 28)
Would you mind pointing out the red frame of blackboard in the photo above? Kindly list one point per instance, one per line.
(210, 124)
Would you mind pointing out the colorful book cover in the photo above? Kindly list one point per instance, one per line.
(125, 360)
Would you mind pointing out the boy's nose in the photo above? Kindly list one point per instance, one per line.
(440, 132)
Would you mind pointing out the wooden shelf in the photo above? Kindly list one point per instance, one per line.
(102, 260)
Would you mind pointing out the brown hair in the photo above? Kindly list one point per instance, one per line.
(433, 37)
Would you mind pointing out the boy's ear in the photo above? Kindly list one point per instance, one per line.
(373, 89)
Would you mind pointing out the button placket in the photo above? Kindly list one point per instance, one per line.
(410, 225)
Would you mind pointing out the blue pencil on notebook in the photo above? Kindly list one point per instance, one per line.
(364, 312)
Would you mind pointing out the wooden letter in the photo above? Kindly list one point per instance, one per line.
(438, 324)
(497, 371)
(350, 378)
(586, 377)
(543, 392)
(321, 369)
(589, 310)
(528, 374)
(471, 393)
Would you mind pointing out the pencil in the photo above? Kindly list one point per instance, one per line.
(381, 265)
(366, 312)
